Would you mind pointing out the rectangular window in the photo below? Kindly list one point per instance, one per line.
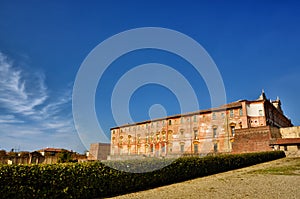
(195, 118)
(214, 132)
(215, 147)
(195, 134)
(260, 113)
(285, 148)
(298, 146)
(222, 115)
(170, 122)
(232, 130)
(214, 116)
(231, 113)
(181, 120)
(182, 148)
(195, 148)
(241, 111)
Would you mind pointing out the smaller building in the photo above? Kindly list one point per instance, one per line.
(52, 151)
(99, 151)
(51, 155)
(289, 141)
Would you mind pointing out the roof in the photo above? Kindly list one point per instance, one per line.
(57, 150)
(236, 104)
(287, 141)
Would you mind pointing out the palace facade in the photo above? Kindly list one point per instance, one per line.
(217, 130)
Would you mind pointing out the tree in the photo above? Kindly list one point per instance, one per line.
(64, 156)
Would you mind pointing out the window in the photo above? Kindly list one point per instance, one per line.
(147, 139)
(260, 113)
(214, 132)
(298, 146)
(214, 116)
(181, 131)
(170, 122)
(215, 147)
(182, 148)
(163, 122)
(195, 118)
(285, 148)
(231, 113)
(139, 139)
(195, 134)
(232, 130)
(222, 115)
(241, 111)
(195, 148)
(181, 120)
(138, 149)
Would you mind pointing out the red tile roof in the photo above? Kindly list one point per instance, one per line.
(52, 150)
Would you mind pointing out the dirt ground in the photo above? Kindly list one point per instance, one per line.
(275, 179)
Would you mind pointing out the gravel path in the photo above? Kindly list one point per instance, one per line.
(250, 182)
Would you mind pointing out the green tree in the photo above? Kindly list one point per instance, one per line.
(64, 156)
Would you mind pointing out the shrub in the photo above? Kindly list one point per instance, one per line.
(94, 179)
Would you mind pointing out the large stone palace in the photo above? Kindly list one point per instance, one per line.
(241, 126)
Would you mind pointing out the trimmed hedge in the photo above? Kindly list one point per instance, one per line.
(94, 179)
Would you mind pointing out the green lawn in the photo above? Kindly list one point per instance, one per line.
(290, 167)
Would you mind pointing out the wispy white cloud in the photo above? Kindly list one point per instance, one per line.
(8, 119)
(15, 93)
(30, 113)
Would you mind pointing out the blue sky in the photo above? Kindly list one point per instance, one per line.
(255, 45)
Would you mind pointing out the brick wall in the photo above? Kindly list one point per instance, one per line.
(252, 139)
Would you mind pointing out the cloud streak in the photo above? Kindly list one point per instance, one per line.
(14, 89)
(30, 114)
